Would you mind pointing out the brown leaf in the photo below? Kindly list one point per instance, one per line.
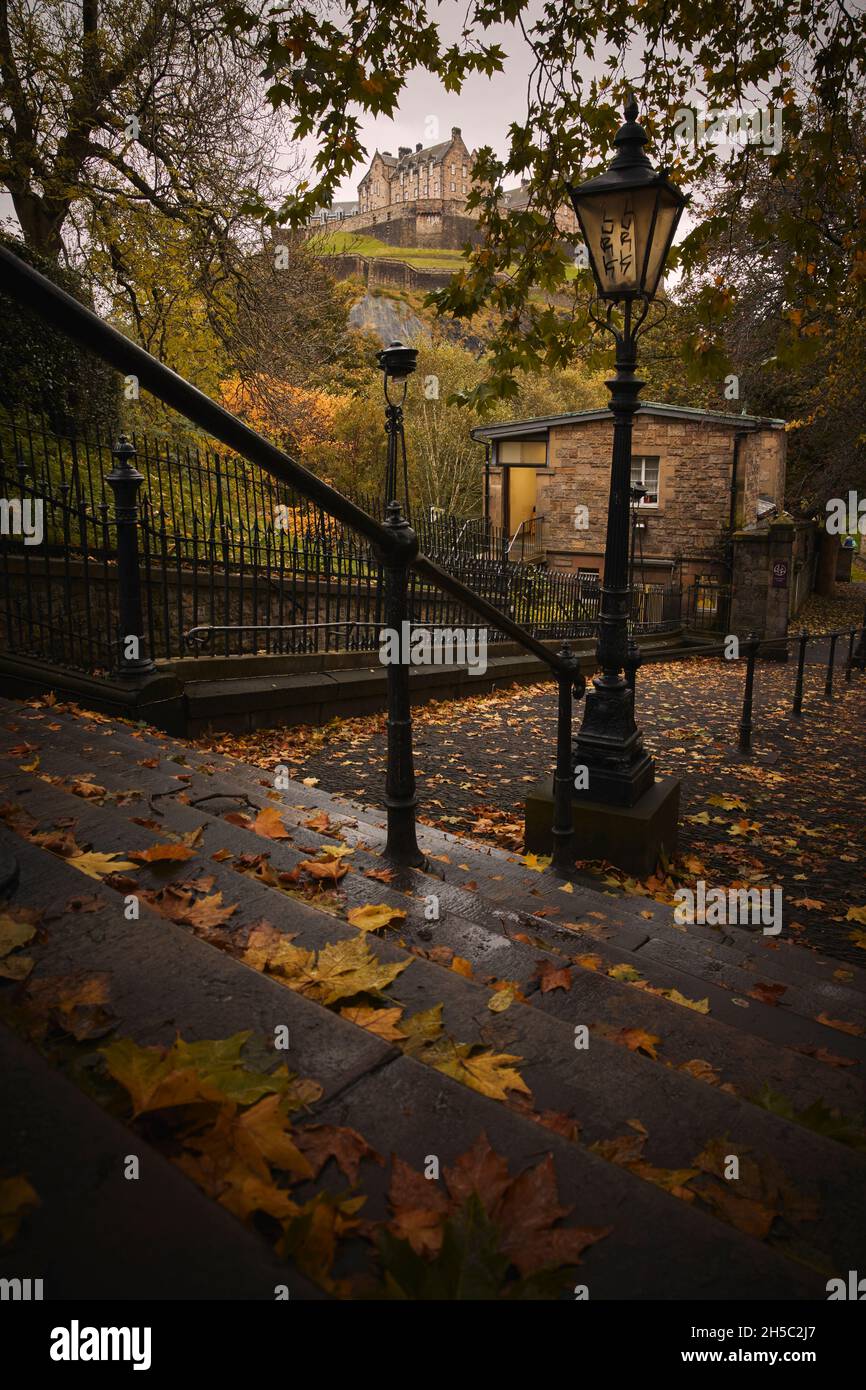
(382, 1022)
(76, 1003)
(158, 854)
(768, 994)
(346, 1146)
(333, 869)
(553, 976)
(269, 823)
(479, 1170)
(841, 1025)
(526, 1215)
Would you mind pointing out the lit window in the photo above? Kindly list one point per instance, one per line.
(525, 451)
(645, 474)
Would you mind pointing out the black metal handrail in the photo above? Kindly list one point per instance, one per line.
(33, 289)
(394, 542)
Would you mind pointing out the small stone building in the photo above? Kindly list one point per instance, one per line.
(705, 475)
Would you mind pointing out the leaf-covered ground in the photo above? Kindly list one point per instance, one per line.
(791, 814)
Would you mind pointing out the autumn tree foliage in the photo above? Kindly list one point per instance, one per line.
(806, 60)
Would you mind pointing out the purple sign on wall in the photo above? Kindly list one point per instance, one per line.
(780, 574)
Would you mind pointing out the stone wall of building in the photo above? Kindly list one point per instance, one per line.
(692, 517)
(692, 520)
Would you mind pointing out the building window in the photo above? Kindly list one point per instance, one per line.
(453, 188)
(522, 451)
(645, 474)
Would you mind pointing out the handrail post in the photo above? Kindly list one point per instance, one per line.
(860, 655)
(801, 663)
(751, 644)
(849, 660)
(400, 799)
(125, 481)
(563, 777)
(831, 661)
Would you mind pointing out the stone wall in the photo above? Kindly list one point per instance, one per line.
(763, 574)
(382, 272)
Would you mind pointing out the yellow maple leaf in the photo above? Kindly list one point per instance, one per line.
(538, 862)
(375, 915)
(99, 865)
(700, 1006)
(856, 914)
(491, 1073)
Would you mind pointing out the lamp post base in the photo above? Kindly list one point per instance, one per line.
(609, 746)
(631, 837)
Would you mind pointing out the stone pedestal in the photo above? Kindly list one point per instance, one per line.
(631, 837)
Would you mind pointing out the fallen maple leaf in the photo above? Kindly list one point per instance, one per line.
(767, 993)
(158, 854)
(374, 916)
(638, 1040)
(699, 1006)
(99, 865)
(347, 1147)
(841, 1025)
(77, 1003)
(318, 869)
(18, 1196)
(553, 976)
(382, 1022)
(16, 929)
(269, 824)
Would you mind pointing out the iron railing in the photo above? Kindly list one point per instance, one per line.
(394, 544)
(248, 557)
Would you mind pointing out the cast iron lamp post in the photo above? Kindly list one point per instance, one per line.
(397, 363)
(628, 217)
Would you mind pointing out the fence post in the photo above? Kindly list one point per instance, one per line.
(751, 644)
(400, 799)
(125, 481)
(849, 660)
(831, 660)
(801, 662)
(563, 777)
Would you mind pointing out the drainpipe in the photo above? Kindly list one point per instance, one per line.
(732, 517)
(487, 480)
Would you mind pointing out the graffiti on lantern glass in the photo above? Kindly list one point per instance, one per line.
(617, 242)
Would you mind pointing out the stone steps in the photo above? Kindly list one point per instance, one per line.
(162, 1238)
(680, 1113)
(485, 935)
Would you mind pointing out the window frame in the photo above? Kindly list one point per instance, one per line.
(643, 460)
